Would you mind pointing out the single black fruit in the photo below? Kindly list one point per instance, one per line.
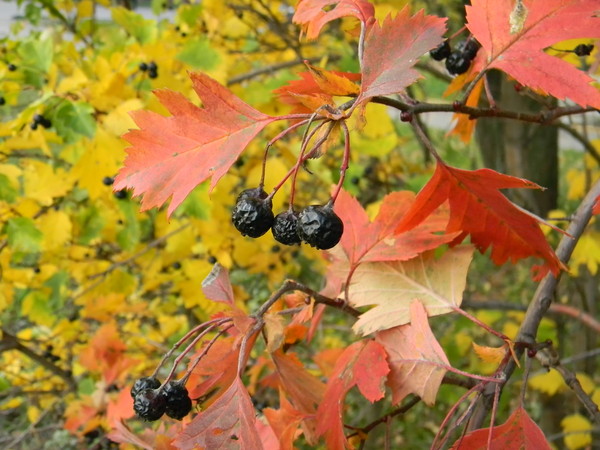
(176, 265)
(285, 228)
(122, 194)
(457, 63)
(38, 118)
(469, 48)
(33, 125)
(11, 67)
(2, 101)
(144, 383)
(46, 123)
(150, 404)
(583, 49)
(108, 181)
(212, 260)
(320, 227)
(441, 52)
(252, 215)
(143, 66)
(152, 66)
(152, 73)
(178, 400)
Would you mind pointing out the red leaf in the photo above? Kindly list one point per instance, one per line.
(416, 358)
(596, 207)
(478, 208)
(392, 49)
(170, 156)
(285, 422)
(519, 432)
(514, 41)
(363, 364)
(314, 14)
(217, 286)
(227, 423)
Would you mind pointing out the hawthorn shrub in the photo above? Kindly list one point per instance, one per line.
(302, 230)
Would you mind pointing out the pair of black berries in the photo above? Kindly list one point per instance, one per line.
(150, 402)
(38, 120)
(151, 68)
(459, 60)
(317, 225)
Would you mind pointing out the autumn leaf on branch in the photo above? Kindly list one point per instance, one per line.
(314, 14)
(392, 286)
(393, 48)
(519, 432)
(417, 361)
(514, 36)
(285, 422)
(363, 364)
(479, 209)
(227, 423)
(170, 156)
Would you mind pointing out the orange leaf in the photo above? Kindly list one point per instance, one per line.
(477, 207)
(314, 14)
(490, 354)
(514, 37)
(465, 125)
(416, 358)
(285, 422)
(331, 83)
(596, 207)
(519, 432)
(393, 48)
(170, 156)
(228, 423)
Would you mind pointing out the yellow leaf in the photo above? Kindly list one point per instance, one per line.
(596, 397)
(549, 383)
(586, 253)
(490, 354)
(85, 8)
(274, 329)
(118, 121)
(44, 184)
(57, 228)
(587, 384)
(33, 413)
(577, 429)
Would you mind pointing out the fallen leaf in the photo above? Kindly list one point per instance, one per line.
(417, 361)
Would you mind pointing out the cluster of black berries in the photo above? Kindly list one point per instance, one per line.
(38, 120)
(150, 67)
(459, 60)
(150, 402)
(583, 49)
(317, 225)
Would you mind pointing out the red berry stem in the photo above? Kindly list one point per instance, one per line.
(198, 358)
(192, 344)
(345, 161)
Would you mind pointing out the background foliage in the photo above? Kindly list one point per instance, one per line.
(93, 292)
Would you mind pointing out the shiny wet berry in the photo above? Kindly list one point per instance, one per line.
(457, 63)
(284, 228)
(320, 227)
(150, 404)
(144, 383)
(178, 400)
(252, 214)
(441, 52)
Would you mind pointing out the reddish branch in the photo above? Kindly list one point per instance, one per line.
(541, 301)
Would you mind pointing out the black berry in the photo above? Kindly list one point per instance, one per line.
(143, 66)
(38, 118)
(457, 63)
(2, 101)
(212, 260)
(152, 74)
(150, 404)
(176, 265)
(11, 67)
(320, 227)
(406, 116)
(122, 194)
(285, 228)
(142, 384)
(108, 181)
(252, 215)
(441, 52)
(583, 49)
(33, 125)
(178, 400)
(152, 70)
(152, 66)
(469, 48)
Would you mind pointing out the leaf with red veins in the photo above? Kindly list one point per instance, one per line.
(228, 423)
(170, 156)
(417, 361)
(394, 47)
(478, 207)
(217, 286)
(363, 364)
(312, 15)
(519, 432)
(517, 46)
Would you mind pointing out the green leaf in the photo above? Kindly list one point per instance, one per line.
(8, 192)
(199, 54)
(143, 30)
(37, 53)
(72, 119)
(23, 236)
(129, 236)
(90, 222)
(196, 204)
(189, 14)
(57, 283)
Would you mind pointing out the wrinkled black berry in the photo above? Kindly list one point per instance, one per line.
(457, 63)
(144, 383)
(441, 52)
(178, 400)
(252, 215)
(285, 228)
(583, 49)
(150, 404)
(320, 227)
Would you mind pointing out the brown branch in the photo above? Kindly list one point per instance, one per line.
(541, 301)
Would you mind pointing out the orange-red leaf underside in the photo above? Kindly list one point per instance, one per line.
(314, 14)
